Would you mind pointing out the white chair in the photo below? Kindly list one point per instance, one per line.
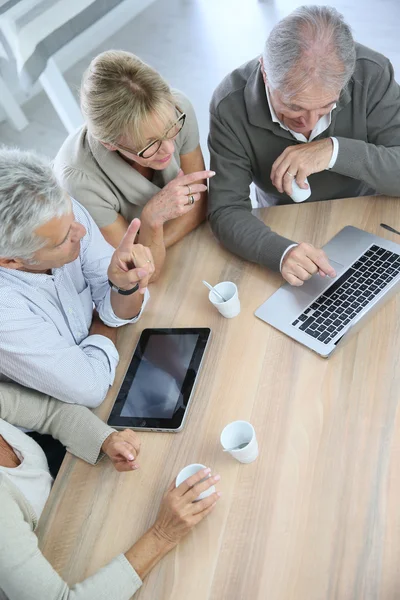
(11, 107)
(34, 32)
(31, 32)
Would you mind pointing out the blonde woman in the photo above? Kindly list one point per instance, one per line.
(138, 155)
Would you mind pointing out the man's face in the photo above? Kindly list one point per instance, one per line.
(62, 235)
(302, 112)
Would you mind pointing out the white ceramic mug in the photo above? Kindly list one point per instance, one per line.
(192, 470)
(239, 439)
(228, 290)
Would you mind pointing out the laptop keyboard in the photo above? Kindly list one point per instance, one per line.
(329, 314)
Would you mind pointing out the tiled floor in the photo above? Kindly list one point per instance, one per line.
(194, 43)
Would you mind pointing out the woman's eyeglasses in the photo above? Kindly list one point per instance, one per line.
(152, 148)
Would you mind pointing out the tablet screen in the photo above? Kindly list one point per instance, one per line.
(158, 384)
(156, 389)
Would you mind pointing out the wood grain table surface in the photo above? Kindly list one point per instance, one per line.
(316, 516)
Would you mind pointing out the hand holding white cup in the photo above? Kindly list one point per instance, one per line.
(191, 470)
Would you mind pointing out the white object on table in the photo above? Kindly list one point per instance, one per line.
(298, 194)
(231, 307)
(192, 470)
(234, 435)
(210, 287)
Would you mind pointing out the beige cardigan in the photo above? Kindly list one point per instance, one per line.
(25, 574)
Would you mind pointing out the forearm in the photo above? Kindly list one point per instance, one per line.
(76, 427)
(99, 328)
(126, 307)
(147, 552)
(248, 237)
(178, 228)
(74, 374)
(229, 204)
(378, 166)
(114, 233)
(25, 573)
(152, 236)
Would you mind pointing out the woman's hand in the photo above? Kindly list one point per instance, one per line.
(131, 263)
(174, 199)
(122, 447)
(179, 513)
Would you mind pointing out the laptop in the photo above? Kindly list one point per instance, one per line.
(323, 312)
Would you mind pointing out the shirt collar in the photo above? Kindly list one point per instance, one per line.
(321, 125)
(36, 280)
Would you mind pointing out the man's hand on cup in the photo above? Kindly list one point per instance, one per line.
(304, 261)
(122, 448)
(131, 263)
(176, 199)
(179, 513)
(300, 161)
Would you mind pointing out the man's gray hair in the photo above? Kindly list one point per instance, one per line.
(311, 45)
(29, 197)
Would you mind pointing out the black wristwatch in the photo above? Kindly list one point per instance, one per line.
(123, 292)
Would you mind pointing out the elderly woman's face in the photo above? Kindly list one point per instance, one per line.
(302, 112)
(160, 136)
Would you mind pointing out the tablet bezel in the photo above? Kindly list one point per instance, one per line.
(177, 421)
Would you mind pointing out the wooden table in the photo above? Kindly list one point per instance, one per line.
(317, 516)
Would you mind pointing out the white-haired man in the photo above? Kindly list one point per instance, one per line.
(316, 105)
(54, 265)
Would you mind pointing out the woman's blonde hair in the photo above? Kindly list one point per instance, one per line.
(120, 94)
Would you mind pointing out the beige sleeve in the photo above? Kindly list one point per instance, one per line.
(25, 573)
(93, 193)
(77, 428)
(188, 139)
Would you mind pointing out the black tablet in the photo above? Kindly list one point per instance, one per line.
(159, 383)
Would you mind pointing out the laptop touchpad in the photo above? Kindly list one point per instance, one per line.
(317, 284)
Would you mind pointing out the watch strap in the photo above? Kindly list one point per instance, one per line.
(123, 292)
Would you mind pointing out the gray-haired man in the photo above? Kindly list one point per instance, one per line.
(315, 105)
(54, 265)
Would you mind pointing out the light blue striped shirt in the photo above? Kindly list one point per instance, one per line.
(45, 320)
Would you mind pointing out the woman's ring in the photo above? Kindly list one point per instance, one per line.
(190, 200)
(190, 189)
(287, 173)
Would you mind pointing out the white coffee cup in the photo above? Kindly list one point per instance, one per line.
(239, 439)
(192, 470)
(298, 194)
(228, 290)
